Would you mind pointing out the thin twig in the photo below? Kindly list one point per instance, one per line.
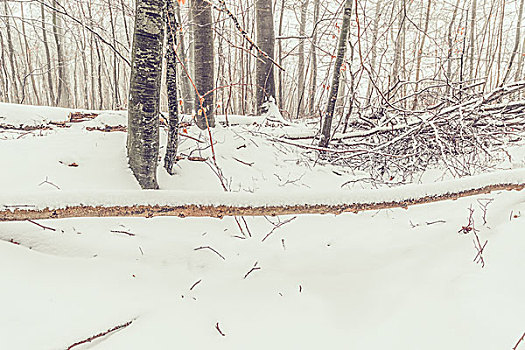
(40, 225)
(254, 268)
(276, 226)
(90, 339)
(519, 341)
(219, 329)
(124, 232)
(195, 284)
(213, 250)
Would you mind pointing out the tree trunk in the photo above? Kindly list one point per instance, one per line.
(420, 53)
(266, 42)
(375, 32)
(143, 112)
(62, 87)
(334, 89)
(28, 56)
(280, 48)
(301, 65)
(313, 57)
(472, 38)
(11, 56)
(171, 84)
(517, 40)
(188, 94)
(204, 64)
(450, 38)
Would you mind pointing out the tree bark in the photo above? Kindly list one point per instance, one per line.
(301, 64)
(472, 38)
(11, 56)
(204, 64)
(188, 94)
(313, 57)
(62, 86)
(420, 52)
(280, 48)
(266, 42)
(171, 84)
(334, 89)
(143, 113)
(517, 40)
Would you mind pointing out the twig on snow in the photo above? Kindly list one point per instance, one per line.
(195, 284)
(242, 162)
(90, 339)
(276, 226)
(254, 268)
(519, 341)
(42, 226)
(49, 183)
(219, 329)
(124, 232)
(213, 250)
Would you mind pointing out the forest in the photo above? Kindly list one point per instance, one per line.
(254, 174)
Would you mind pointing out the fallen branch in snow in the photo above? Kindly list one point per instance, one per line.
(61, 204)
(108, 128)
(90, 339)
(24, 127)
(42, 226)
(219, 211)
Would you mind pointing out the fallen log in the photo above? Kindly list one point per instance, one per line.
(64, 204)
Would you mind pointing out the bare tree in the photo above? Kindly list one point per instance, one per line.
(204, 63)
(332, 97)
(171, 85)
(266, 42)
(143, 114)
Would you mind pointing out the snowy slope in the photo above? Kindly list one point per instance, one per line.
(392, 279)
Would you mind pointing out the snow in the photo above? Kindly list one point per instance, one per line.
(394, 279)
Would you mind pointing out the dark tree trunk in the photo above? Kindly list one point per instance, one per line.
(171, 83)
(266, 42)
(334, 89)
(204, 64)
(143, 113)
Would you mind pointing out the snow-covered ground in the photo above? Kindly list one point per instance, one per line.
(391, 279)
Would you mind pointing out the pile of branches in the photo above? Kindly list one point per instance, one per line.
(467, 136)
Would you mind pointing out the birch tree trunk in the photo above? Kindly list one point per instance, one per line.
(143, 112)
(334, 89)
(171, 84)
(204, 64)
(265, 80)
